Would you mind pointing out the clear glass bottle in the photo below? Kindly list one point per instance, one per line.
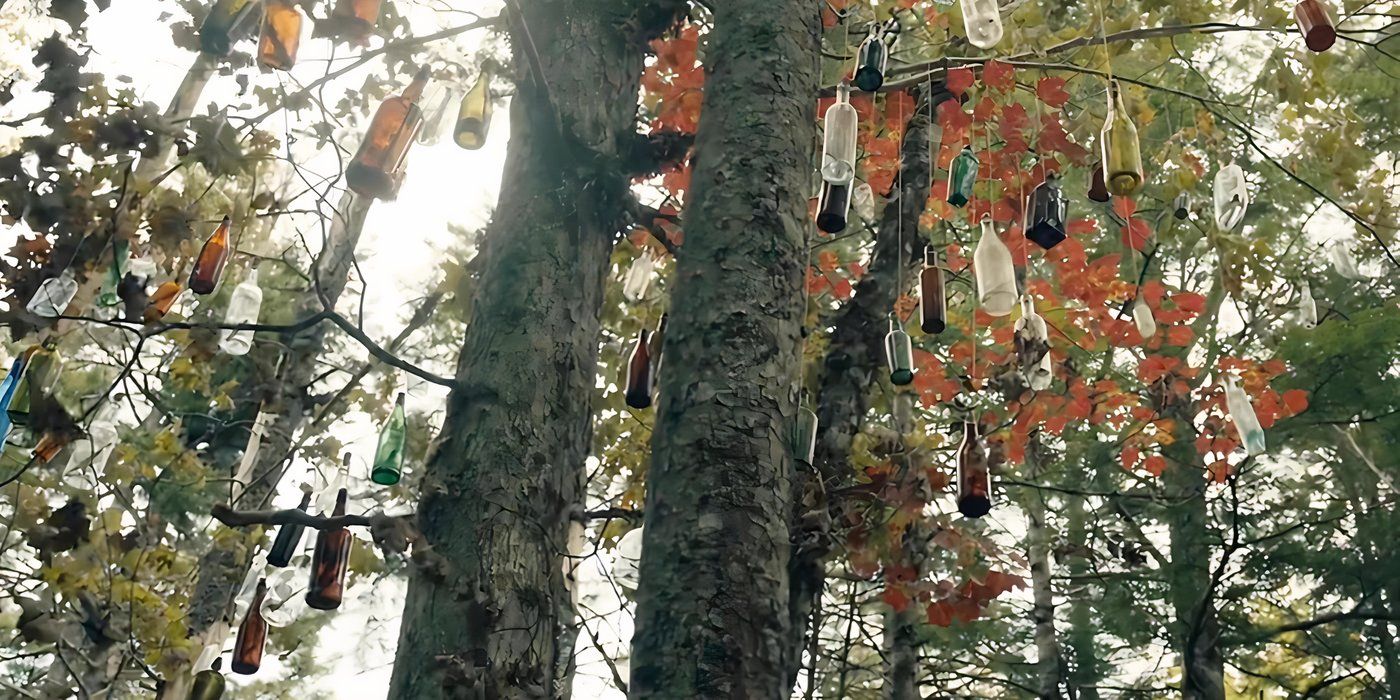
(1242, 414)
(962, 177)
(252, 635)
(281, 34)
(994, 271)
(92, 451)
(1315, 24)
(974, 479)
(388, 456)
(474, 114)
(899, 355)
(805, 437)
(933, 296)
(288, 539)
(209, 266)
(832, 207)
(638, 277)
(1032, 339)
(244, 306)
(436, 120)
(1230, 196)
(379, 162)
(982, 21)
(53, 296)
(1142, 318)
(1049, 209)
(639, 386)
(839, 139)
(863, 201)
(329, 562)
(1122, 154)
(227, 22)
(1307, 307)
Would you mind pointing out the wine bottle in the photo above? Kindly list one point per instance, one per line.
(994, 271)
(899, 355)
(288, 539)
(832, 206)
(839, 139)
(53, 296)
(639, 379)
(209, 683)
(329, 562)
(1118, 141)
(974, 480)
(380, 160)
(209, 266)
(474, 114)
(252, 635)
(933, 298)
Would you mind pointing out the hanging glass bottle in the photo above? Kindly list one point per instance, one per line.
(1098, 189)
(329, 562)
(92, 451)
(1142, 318)
(839, 139)
(335, 482)
(474, 114)
(982, 21)
(209, 683)
(288, 539)
(832, 207)
(638, 278)
(281, 34)
(995, 272)
(804, 448)
(1032, 339)
(933, 298)
(899, 355)
(657, 338)
(1307, 307)
(1122, 155)
(436, 120)
(1181, 208)
(244, 306)
(209, 266)
(974, 479)
(116, 272)
(863, 201)
(42, 365)
(54, 296)
(379, 163)
(227, 22)
(638, 392)
(388, 456)
(1340, 256)
(358, 16)
(1315, 24)
(1242, 413)
(1049, 208)
(161, 301)
(871, 60)
(1230, 196)
(252, 635)
(962, 176)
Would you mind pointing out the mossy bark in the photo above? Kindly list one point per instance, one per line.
(712, 613)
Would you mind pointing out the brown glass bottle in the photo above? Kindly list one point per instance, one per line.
(654, 347)
(638, 394)
(1098, 188)
(209, 266)
(281, 35)
(358, 16)
(48, 446)
(933, 301)
(974, 481)
(329, 562)
(161, 301)
(1315, 24)
(380, 160)
(252, 635)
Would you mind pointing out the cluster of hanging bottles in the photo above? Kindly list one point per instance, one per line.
(1119, 172)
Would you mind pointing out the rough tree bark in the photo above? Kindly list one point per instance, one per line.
(712, 609)
(490, 600)
(1048, 668)
(853, 361)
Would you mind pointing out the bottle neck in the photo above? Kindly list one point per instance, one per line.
(339, 503)
(415, 89)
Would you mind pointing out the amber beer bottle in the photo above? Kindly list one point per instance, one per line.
(359, 16)
(252, 635)
(329, 562)
(638, 393)
(379, 162)
(933, 301)
(974, 482)
(160, 302)
(209, 266)
(281, 35)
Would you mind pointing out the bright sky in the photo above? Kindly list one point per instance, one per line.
(398, 255)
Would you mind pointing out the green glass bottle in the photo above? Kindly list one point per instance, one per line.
(388, 457)
(962, 175)
(209, 683)
(115, 272)
(899, 355)
(1122, 154)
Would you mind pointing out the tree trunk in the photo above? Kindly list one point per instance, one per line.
(712, 611)
(223, 567)
(1192, 590)
(181, 107)
(1083, 677)
(491, 598)
(1047, 646)
(854, 359)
